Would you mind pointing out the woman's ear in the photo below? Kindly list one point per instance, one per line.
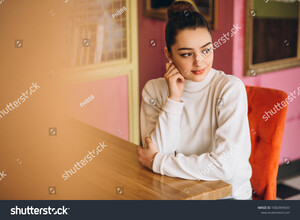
(167, 54)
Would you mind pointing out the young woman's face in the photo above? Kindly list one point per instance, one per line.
(192, 53)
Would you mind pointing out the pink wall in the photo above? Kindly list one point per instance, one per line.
(108, 110)
(228, 58)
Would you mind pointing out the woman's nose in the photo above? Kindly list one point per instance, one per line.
(198, 60)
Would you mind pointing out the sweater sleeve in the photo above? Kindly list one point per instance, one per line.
(232, 142)
(160, 122)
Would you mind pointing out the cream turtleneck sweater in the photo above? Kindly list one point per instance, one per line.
(205, 136)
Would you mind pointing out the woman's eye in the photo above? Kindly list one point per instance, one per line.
(186, 54)
(206, 51)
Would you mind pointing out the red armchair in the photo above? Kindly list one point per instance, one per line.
(266, 138)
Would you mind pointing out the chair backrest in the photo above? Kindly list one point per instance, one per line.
(267, 114)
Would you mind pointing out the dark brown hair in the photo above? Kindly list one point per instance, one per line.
(182, 15)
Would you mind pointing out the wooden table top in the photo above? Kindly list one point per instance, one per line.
(113, 174)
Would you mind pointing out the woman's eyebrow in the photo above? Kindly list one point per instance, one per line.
(192, 48)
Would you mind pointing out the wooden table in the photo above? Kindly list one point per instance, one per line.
(113, 174)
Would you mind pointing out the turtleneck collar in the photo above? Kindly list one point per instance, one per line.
(192, 86)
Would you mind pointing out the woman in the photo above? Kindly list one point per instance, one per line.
(194, 122)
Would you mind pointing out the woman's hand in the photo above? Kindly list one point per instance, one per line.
(146, 155)
(175, 82)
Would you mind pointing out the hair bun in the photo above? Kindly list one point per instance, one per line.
(180, 7)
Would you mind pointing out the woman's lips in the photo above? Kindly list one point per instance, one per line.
(198, 72)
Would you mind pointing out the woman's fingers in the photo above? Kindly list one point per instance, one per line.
(146, 156)
(171, 73)
(149, 142)
(172, 69)
(181, 77)
(173, 78)
(168, 65)
(139, 150)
